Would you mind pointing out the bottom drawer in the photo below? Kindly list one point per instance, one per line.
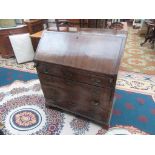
(100, 117)
(80, 102)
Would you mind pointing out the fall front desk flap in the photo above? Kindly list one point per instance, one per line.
(99, 52)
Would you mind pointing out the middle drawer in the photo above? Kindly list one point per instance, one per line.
(76, 75)
(92, 92)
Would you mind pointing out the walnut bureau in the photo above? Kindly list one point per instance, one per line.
(78, 71)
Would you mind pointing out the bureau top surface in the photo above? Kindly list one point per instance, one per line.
(88, 51)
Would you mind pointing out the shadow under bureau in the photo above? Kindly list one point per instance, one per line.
(78, 71)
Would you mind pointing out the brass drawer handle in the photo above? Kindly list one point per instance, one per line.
(46, 71)
(96, 81)
(95, 103)
(111, 80)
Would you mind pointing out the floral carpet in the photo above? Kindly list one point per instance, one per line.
(7, 76)
(11, 63)
(23, 111)
(137, 58)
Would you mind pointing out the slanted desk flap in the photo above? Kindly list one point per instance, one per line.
(87, 51)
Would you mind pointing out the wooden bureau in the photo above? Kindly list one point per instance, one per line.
(78, 71)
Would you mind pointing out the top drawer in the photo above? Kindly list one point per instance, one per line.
(75, 75)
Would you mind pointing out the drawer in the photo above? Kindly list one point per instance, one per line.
(76, 75)
(69, 85)
(93, 113)
(79, 103)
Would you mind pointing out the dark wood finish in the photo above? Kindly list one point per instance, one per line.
(5, 45)
(78, 71)
(93, 23)
(36, 25)
(77, 75)
(78, 50)
(83, 23)
(35, 42)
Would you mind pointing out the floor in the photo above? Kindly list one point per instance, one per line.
(137, 58)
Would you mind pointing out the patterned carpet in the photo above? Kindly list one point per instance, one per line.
(137, 58)
(12, 64)
(7, 76)
(23, 111)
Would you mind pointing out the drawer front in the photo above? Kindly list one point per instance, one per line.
(90, 101)
(100, 116)
(53, 81)
(76, 75)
